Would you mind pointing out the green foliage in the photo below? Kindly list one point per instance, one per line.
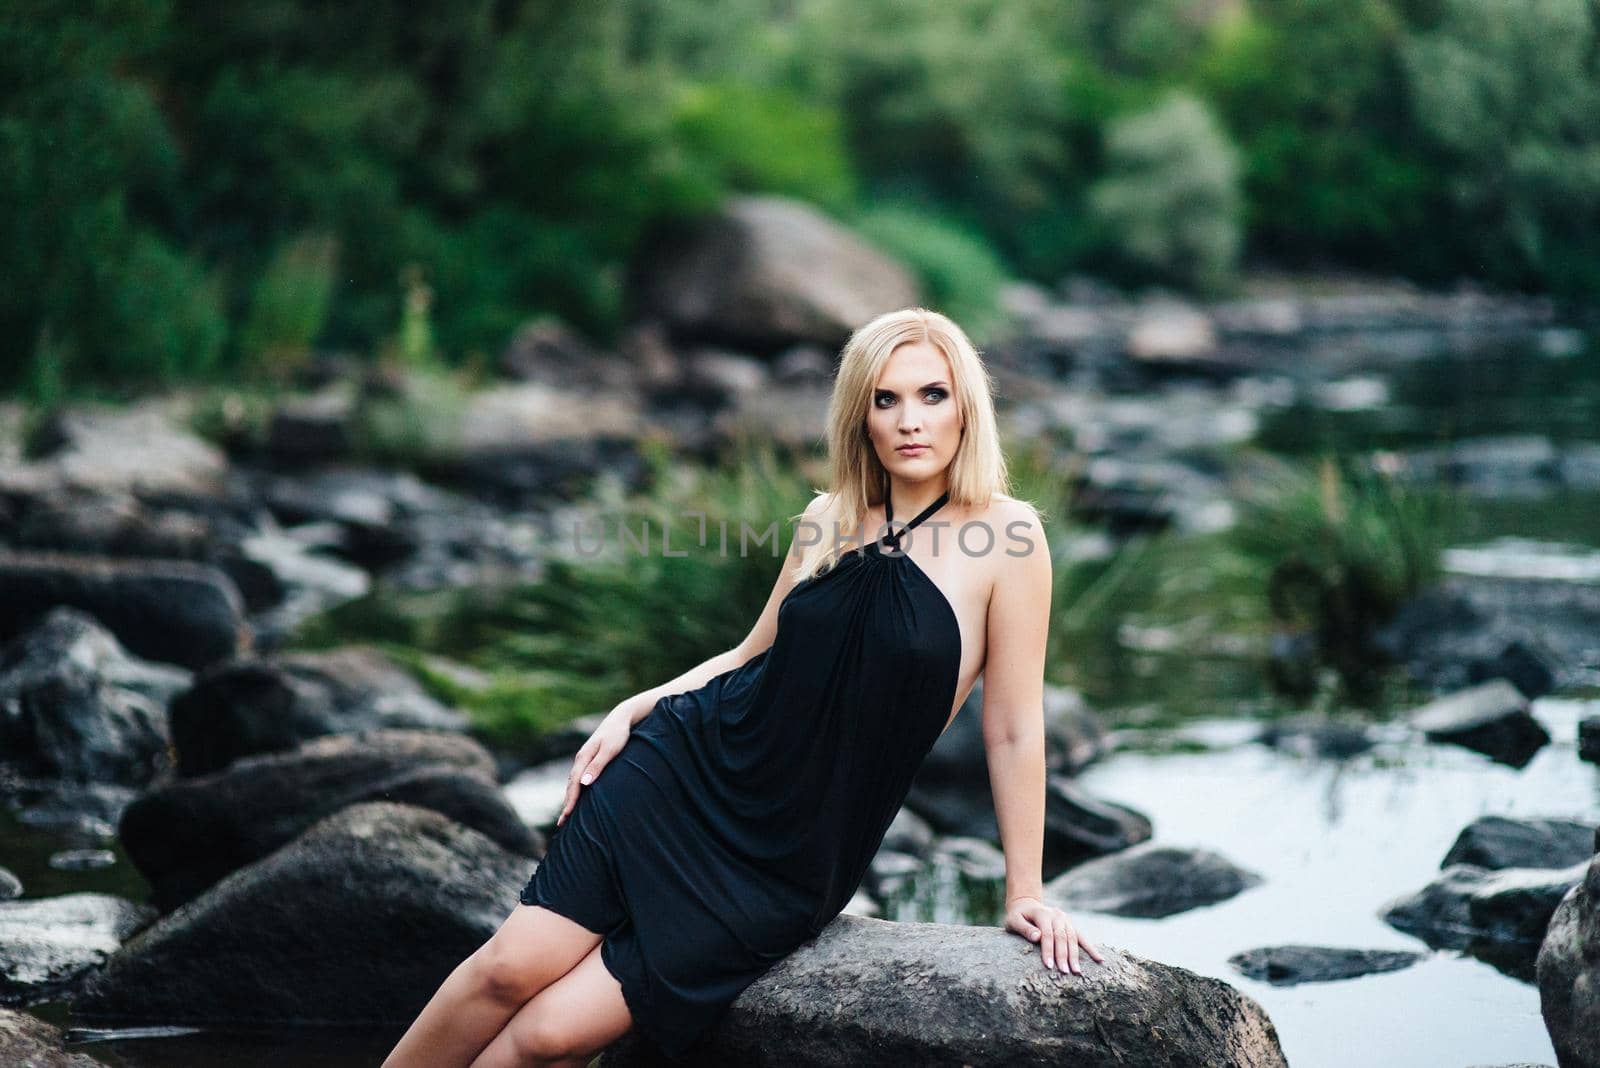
(1342, 547)
(1169, 199)
(1311, 92)
(960, 271)
(1510, 91)
(766, 140)
(290, 304)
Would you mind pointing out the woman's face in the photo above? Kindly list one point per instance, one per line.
(914, 403)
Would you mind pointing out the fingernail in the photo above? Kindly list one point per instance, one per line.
(587, 778)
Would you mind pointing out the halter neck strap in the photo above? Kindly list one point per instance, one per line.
(894, 536)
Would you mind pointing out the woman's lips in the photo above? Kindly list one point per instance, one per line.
(912, 450)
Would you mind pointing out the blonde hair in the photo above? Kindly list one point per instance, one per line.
(977, 472)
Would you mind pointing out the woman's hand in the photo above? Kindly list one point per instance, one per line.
(1049, 926)
(606, 741)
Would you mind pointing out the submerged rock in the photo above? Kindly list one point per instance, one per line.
(1292, 965)
(1150, 880)
(868, 991)
(1499, 916)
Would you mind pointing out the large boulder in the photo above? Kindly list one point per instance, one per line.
(260, 705)
(1568, 971)
(869, 991)
(356, 921)
(74, 705)
(185, 837)
(764, 273)
(170, 610)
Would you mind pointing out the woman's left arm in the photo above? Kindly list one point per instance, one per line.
(1013, 737)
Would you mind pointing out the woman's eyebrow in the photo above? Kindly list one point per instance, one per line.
(930, 385)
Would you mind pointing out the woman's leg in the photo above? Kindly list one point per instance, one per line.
(533, 948)
(566, 1024)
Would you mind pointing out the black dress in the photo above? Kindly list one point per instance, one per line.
(740, 817)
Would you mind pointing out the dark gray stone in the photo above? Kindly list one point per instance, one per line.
(868, 991)
(1503, 842)
(186, 836)
(1568, 973)
(1295, 964)
(174, 611)
(253, 705)
(1150, 880)
(357, 921)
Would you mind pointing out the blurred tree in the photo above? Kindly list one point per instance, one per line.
(87, 167)
(1170, 198)
(1509, 90)
(1311, 91)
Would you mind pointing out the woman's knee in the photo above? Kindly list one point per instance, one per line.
(506, 973)
(541, 1036)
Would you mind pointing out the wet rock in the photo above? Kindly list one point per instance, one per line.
(1502, 842)
(1150, 880)
(74, 705)
(527, 442)
(292, 938)
(1319, 736)
(765, 273)
(47, 943)
(185, 837)
(1483, 911)
(107, 524)
(1589, 739)
(1568, 973)
(257, 705)
(548, 351)
(869, 991)
(1172, 334)
(136, 450)
(314, 428)
(168, 610)
(10, 885)
(1295, 964)
(1466, 628)
(28, 1042)
(1491, 718)
(1077, 824)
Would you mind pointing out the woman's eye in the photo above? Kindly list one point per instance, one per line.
(936, 393)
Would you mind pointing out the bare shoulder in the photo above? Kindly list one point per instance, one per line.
(1021, 556)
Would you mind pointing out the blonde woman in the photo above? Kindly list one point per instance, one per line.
(715, 823)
